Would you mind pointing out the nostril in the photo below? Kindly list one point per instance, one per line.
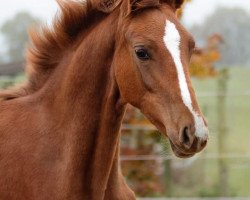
(186, 138)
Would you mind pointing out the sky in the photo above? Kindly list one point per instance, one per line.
(195, 12)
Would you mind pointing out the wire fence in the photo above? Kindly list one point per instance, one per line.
(198, 198)
(198, 157)
(235, 94)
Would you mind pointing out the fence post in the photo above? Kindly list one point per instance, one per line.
(222, 131)
(168, 178)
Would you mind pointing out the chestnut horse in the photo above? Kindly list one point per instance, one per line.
(59, 133)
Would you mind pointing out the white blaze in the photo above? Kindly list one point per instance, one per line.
(172, 41)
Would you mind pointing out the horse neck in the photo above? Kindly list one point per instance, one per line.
(86, 102)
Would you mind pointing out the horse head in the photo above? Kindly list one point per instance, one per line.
(151, 65)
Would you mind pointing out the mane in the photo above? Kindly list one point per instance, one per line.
(48, 44)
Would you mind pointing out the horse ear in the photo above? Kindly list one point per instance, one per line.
(176, 4)
(131, 6)
(140, 4)
(106, 6)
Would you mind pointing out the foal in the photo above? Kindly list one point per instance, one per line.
(59, 133)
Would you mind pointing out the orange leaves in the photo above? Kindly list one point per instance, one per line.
(203, 60)
(202, 64)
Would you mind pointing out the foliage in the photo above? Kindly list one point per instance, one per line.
(15, 34)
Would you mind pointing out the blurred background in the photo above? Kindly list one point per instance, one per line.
(221, 76)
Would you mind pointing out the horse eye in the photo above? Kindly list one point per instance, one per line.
(142, 54)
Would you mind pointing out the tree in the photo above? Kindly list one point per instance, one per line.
(234, 27)
(15, 35)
